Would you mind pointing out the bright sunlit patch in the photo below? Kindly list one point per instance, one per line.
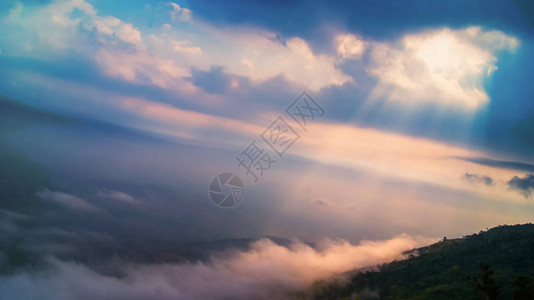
(442, 66)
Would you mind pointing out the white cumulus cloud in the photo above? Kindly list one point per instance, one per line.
(444, 66)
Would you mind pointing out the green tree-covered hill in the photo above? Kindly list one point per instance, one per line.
(494, 264)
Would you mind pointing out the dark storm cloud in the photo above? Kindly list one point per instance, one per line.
(380, 19)
(514, 165)
(476, 178)
(523, 185)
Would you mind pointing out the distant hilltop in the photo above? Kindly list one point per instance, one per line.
(493, 264)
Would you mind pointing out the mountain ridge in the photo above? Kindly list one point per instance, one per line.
(448, 269)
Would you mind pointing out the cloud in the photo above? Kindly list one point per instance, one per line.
(266, 271)
(180, 13)
(513, 165)
(185, 47)
(441, 66)
(260, 56)
(185, 123)
(29, 239)
(163, 58)
(393, 155)
(124, 31)
(44, 31)
(107, 24)
(141, 67)
(118, 196)
(186, 15)
(67, 200)
(212, 81)
(384, 152)
(9, 215)
(523, 185)
(475, 178)
(375, 19)
(175, 7)
(349, 46)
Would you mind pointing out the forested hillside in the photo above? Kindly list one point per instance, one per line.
(494, 264)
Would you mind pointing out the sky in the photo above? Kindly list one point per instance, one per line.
(383, 125)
